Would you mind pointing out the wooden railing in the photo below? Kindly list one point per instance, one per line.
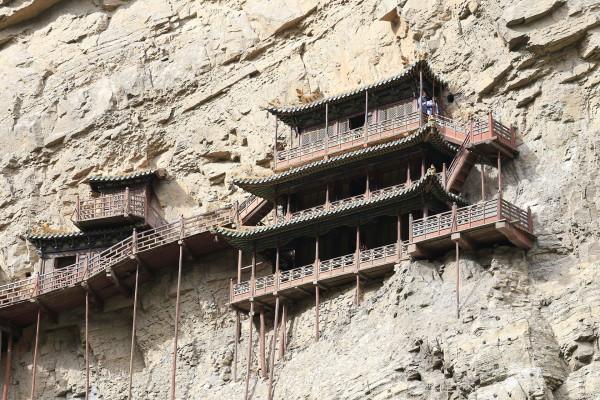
(375, 132)
(110, 205)
(332, 267)
(75, 274)
(469, 217)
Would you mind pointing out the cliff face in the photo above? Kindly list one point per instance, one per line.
(107, 86)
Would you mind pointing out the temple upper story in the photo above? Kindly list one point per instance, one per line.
(383, 111)
(119, 200)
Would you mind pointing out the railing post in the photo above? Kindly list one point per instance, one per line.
(444, 177)
(127, 200)
(134, 242)
(454, 225)
(410, 228)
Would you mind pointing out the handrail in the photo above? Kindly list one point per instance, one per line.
(27, 288)
(109, 205)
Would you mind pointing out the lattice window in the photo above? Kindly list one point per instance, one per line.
(396, 110)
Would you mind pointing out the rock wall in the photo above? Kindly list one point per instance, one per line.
(108, 86)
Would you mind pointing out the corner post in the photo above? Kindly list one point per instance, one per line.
(454, 221)
(35, 352)
(133, 328)
(250, 318)
(7, 368)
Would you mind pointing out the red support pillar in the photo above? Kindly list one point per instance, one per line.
(366, 117)
(87, 344)
(133, 328)
(239, 267)
(261, 344)
(35, 353)
(250, 328)
(236, 343)
(317, 302)
(177, 311)
(482, 182)
(326, 130)
(399, 235)
(499, 174)
(273, 346)
(283, 338)
(457, 281)
(7, 368)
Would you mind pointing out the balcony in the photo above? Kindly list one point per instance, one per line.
(121, 208)
(489, 133)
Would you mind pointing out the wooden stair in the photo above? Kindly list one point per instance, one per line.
(459, 170)
(252, 210)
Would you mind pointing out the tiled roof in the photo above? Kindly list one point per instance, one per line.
(428, 184)
(407, 73)
(98, 181)
(427, 133)
(57, 235)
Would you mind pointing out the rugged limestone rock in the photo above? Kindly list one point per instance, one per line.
(104, 87)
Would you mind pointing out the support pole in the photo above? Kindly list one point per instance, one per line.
(261, 344)
(239, 267)
(177, 300)
(250, 318)
(7, 368)
(326, 129)
(457, 280)
(283, 338)
(273, 347)
(399, 235)
(87, 345)
(499, 174)
(366, 117)
(235, 345)
(420, 100)
(275, 142)
(317, 313)
(133, 327)
(482, 182)
(35, 353)
(357, 289)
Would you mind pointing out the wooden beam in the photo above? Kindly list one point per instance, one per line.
(463, 240)
(125, 291)
(51, 314)
(94, 297)
(514, 235)
(308, 292)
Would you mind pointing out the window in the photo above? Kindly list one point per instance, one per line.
(356, 122)
(61, 262)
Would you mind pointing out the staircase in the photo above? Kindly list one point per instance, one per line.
(461, 166)
(252, 210)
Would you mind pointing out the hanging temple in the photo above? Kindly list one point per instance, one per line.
(362, 180)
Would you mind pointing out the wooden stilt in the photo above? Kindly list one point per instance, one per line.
(273, 349)
(457, 281)
(250, 328)
(7, 368)
(499, 174)
(482, 183)
(177, 300)
(357, 301)
(261, 344)
(235, 345)
(283, 333)
(133, 328)
(35, 353)
(317, 312)
(87, 345)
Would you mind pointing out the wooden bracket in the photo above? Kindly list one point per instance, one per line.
(94, 297)
(514, 235)
(125, 291)
(51, 314)
(463, 240)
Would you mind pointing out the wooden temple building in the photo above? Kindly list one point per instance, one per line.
(362, 180)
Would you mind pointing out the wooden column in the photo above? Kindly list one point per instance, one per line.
(366, 116)
(275, 142)
(133, 328)
(367, 186)
(357, 289)
(499, 174)
(283, 338)
(420, 101)
(482, 182)
(253, 270)
(422, 166)
(35, 352)
(276, 268)
(261, 344)
(288, 209)
(357, 247)
(408, 174)
(326, 129)
(235, 344)
(239, 267)
(410, 228)
(87, 344)
(317, 312)
(399, 235)
(317, 257)
(327, 199)
(273, 346)
(249, 360)
(7, 368)
(457, 280)
(177, 311)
